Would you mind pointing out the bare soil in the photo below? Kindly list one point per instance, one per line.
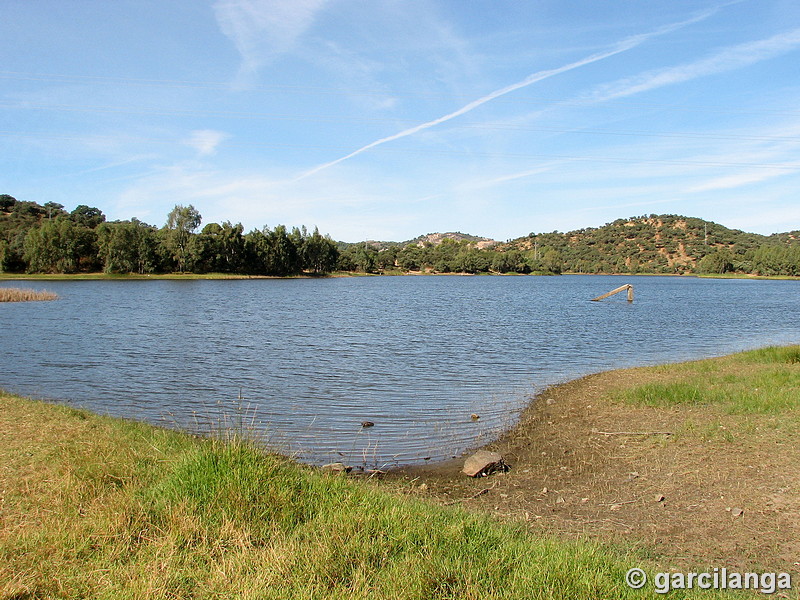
(719, 490)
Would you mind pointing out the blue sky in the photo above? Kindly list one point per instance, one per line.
(388, 119)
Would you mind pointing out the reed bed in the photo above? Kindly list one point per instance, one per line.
(24, 295)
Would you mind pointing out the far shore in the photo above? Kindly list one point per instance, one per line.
(335, 274)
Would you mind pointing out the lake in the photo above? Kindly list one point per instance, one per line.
(301, 363)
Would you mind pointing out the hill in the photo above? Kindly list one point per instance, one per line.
(665, 244)
(435, 239)
(659, 244)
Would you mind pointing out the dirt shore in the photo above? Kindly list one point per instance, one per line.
(691, 486)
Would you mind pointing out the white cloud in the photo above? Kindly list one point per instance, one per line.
(264, 29)
(727, 59)
(739, 179)
(205, 141)
(621, 46)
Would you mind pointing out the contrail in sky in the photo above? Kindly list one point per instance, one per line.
(622, 46)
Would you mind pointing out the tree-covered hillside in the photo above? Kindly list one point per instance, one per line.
(668, 244)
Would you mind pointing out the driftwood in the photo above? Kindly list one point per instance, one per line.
(621, 288)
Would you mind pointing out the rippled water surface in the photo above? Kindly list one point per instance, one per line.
(313, 358)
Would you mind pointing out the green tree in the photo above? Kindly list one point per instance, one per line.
(182, 222)
(272, 252)
(54, 210)
(319, 253)
(552, 261)
(7, 202)
(127, 247)
(59, 246)
(409, 258)
(365, 258)
(720, 261)
(220, 248)
(88, 216)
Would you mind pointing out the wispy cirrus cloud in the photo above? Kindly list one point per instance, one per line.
(263, 29)
(205, 141)
(727, 59)
(618, 48)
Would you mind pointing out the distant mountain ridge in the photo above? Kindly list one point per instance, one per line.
(435, 239)
(429, 239)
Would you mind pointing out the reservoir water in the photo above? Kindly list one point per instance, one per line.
(301, 363)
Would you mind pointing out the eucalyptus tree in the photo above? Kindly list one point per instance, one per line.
(319, 253)
(182, 222)
(220, 248)
(59, 246)
(272, 252)
(127, 247)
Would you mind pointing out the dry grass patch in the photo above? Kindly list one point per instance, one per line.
(25, 295)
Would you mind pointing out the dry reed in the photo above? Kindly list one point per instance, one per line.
(23, 295)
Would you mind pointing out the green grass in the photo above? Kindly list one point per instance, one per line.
(94, 507)
(765, 381)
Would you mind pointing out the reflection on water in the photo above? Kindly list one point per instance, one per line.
(303, 362)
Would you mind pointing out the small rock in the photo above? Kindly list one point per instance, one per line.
(544, 490)
(560, 500)
(337, 468)
(549, 402)
(660, 497)
(737, 512)
(484, 463)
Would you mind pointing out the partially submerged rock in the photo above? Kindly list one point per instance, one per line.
(484, 463)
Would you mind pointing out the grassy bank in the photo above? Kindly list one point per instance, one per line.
(760, 382)
(94, 507)
(101, 508)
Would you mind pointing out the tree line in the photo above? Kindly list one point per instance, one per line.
(449, 256)
(47, 239)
